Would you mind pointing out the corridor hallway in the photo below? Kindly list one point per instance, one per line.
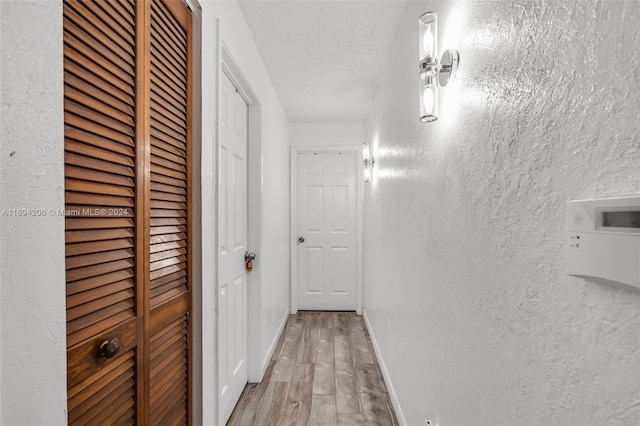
(323, 372)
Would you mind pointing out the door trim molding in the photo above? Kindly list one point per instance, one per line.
(230, 68)
(295, 150)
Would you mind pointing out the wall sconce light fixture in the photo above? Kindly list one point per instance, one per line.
(369, 162)
(432, 72)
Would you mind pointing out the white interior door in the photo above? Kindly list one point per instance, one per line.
(326, 220)
(232, 228)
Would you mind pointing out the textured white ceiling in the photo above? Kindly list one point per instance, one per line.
(324, 57)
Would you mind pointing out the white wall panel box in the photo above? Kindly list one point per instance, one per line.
(604, 239)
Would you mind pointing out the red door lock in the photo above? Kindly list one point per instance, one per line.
(248, 258)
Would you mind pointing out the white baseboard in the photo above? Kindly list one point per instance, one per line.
(274, 342)
(385, 373)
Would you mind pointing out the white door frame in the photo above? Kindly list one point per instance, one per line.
(295, 150)
(228, 66)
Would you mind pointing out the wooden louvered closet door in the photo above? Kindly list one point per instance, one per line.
(127, 177)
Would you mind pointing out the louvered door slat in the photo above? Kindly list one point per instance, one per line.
(175, 41)
(124, 147)
(109, 414)
(116, 61)
(79, 69)
(168, 213)
(96, 258)
(166, 131)
(172, 52)
(173, 349)
(173, 28)
(122, 29)
(158, 169)
(113, 388)
(94, 294)
(171, 408)
(162, 337)
(98, 315)
(112, 97)
(98, 246)
(78, 122)
(162, 100)
(116, 45)
(158, 239)
(105, 398)
(95, 60)
(170, 148)
(100, 322)
(99, 269)
(172, 354)
(93, 283)
(98, 176)
(178, 159)
(166, 254)
(127, 419)
(161, 187)
(96, 188)
(117, 11)
(168, 370)
(99, 395)
(161, 87)
(91, 157)
(90, 313)
(95, 23)
(159, 205)
(176, 121)
(169, 291)
(168, 278)
(167, 180)
(163, 196)
(97, 235)
(168, 246)
(81, 98)
(163, 382)
(84, 390)
(167, 164)
(163, 62)
(102, 118)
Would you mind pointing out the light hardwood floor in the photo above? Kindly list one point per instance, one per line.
(323, 372)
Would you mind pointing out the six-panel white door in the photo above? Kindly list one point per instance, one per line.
(232, 228)
(326, 220)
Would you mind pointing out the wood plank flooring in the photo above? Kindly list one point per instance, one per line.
(323, 372)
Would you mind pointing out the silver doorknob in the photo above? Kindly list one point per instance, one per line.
(249, 256)
(300, 240)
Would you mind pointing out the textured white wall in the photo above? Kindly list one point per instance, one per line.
(465, 224)
(33, 379)
(225, 20)
(344, 134)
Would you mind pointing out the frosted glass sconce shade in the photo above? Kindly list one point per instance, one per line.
(429, 99)
(428, 25)
(433, 73)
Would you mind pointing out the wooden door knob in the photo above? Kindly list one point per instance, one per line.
(109, 348)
